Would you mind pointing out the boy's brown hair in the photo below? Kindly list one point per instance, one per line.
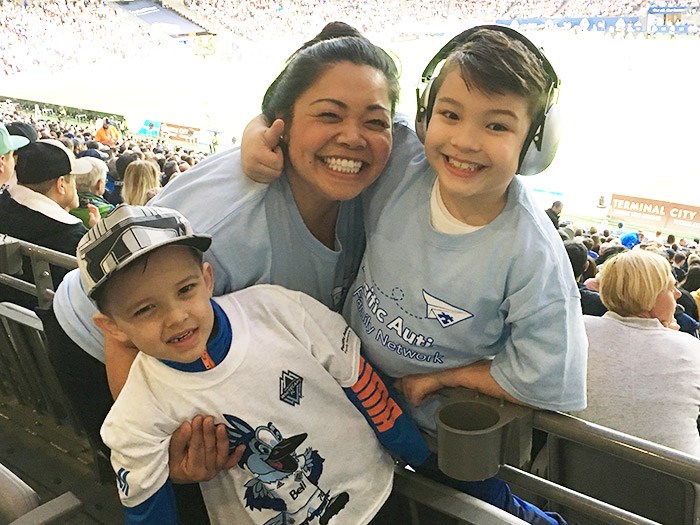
(495, 63)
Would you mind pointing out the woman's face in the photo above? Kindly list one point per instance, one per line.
(340, 135)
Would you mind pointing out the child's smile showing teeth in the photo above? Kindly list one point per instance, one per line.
(182, 337)
(343, 165)
(464, 166)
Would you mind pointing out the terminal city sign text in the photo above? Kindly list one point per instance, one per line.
(660, 215)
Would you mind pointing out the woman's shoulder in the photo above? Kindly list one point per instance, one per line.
(214, 188)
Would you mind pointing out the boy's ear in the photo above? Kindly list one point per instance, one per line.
(208, 272)
(108, 326)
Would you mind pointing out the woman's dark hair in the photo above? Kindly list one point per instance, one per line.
(337, 42)
(691, 281)
(609, 253)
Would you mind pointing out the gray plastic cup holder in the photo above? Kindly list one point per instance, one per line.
(476, 434)
(469, 440)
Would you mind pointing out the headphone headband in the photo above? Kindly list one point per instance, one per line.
(539, 148)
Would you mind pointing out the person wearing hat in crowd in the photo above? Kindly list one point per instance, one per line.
(36, 208)
(107, 134)
(23, 129)
(91, 188)
(8, 144)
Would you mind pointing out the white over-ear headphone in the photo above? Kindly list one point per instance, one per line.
(542, 139)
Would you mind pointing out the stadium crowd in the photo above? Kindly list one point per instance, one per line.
(75, 32)
(58, 34)
(248, 19)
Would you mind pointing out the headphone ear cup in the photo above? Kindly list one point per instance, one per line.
(537, 159)
(423, 113)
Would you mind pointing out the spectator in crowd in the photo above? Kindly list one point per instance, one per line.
(590, 300)
(677, 264)
(643, 376)
(140, 178)
(8, 145)
(107, 134)
(36, 208)
(691, 283)
(591, 270)
(23, 129)
(169, 170)
(608, 250)
(91, 188)
(554, 212)
(121, 163)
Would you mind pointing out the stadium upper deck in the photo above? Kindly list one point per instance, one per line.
(59, 33)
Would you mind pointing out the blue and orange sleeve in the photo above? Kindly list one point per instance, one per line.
(395, 429)
(159, 509)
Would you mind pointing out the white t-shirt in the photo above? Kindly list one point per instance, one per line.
(280, 382)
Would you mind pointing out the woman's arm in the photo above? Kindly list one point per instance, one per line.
(118, 360)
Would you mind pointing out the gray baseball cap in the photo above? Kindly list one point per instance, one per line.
(126, 234)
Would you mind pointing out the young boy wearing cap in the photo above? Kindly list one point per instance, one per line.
(36, 208)
(274, 366)
(8, 144)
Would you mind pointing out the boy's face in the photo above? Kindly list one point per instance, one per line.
(161, 305)
(473, 143)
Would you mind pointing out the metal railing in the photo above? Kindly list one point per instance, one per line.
(11, 252)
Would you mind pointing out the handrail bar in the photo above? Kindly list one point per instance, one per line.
(591, 507)
(629, 448)
(51, 256)
(41, 258)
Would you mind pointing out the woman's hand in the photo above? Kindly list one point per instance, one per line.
(261, 154)
(199, 451)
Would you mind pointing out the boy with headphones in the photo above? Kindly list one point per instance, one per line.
(464, 283)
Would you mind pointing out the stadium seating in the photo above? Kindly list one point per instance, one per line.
(20, 505)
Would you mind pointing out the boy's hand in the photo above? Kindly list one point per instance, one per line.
(417, 387)
(261, 155)
(199, 451)
(94, 214)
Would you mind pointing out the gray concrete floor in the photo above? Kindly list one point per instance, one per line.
(52, 459)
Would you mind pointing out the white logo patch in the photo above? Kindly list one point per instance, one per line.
(445, 313)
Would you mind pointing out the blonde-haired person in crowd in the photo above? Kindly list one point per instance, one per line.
(91, 187)
(141, 182)
(643, 375)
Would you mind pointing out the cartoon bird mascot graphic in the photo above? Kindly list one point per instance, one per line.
(283, 481)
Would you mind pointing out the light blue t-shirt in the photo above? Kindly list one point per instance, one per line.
(258, 237)
(425, 301)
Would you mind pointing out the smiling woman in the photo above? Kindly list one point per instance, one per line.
(304, 231)
(338, 142)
